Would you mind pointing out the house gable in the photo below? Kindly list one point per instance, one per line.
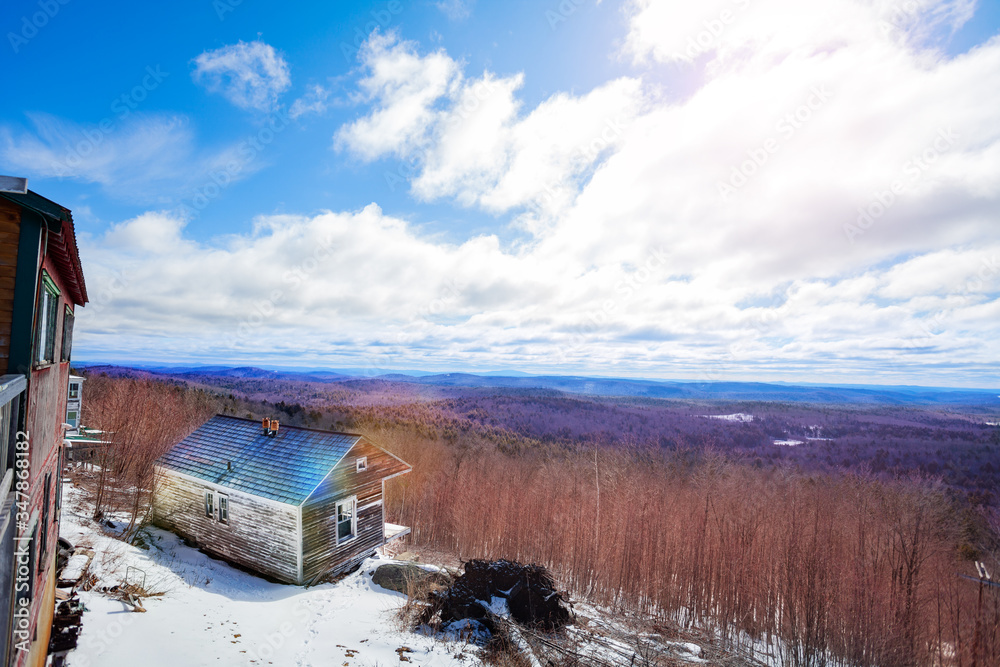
(321, 552)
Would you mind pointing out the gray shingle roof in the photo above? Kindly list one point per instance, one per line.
(285, 468)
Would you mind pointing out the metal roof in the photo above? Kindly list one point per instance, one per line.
(235, 453)
(61, 241)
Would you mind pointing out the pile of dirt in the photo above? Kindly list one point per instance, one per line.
(529, 591)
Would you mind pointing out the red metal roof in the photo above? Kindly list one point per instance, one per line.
(62, 246)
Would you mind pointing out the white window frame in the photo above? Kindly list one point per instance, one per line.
(222, 501)
(353, 502)
(361, 464)
(47, 318)
(210, 504)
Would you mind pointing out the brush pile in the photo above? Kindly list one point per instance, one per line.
(526, 591)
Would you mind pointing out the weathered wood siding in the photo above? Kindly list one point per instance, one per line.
(10, 228)
(262, 534)
(320, 552)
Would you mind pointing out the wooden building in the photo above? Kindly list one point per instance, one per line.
(41, 286)
(74, 403)
(292, 503)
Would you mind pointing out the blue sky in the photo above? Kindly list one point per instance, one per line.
(731, 190)
(93, 53)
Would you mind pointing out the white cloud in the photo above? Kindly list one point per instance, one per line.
(456, 10)
(730, 31)
(250, 75)
(468, 137)
(643, 265)
(139, 157)
(404, 89)
(313, 102)
(362, 288)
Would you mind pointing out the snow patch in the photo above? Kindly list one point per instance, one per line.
(213, 614)
(788, 443)
(736, 417)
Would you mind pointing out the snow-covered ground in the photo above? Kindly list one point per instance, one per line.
(736, 417)
(213, 614)
(787, 443)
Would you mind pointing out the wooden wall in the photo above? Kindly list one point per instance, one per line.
(261, 534)
(320, 552)
(10, 227)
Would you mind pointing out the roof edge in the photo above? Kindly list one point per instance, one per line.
(287, 426)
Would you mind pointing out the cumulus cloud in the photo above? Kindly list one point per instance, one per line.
(403, 88)
(250, 75)
(363, 288)
(733, 30)
(821, 205)
(469, 139)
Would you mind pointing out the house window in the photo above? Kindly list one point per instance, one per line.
(223, 509)
(209, 504)
(347, 520)
(67, 337)
(46, 497)
(71, 418)
(45, 330)
(362, 464)
(74, 390)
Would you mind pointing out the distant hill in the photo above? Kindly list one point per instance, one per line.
(726, 391)
(730, 391)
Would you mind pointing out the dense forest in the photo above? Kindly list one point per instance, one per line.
(845, 547)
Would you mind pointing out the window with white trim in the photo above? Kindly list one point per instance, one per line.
(45, 320)
(347, 519)
(362, 464)
(223, 509)
(210, 504)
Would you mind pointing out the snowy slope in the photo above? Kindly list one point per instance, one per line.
(214, 614)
